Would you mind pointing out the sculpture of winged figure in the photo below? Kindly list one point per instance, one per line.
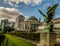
(49, 17)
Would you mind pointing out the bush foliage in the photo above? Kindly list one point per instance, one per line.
(2, 37)
(29, 36)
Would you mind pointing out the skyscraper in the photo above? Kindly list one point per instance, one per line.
(19, 19)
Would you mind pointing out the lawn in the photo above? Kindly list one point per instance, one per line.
(16, 41)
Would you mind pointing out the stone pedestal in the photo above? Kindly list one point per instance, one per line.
(47, 39)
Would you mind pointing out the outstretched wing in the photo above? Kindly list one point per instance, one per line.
(52, 9)
(51, 12)
(41, 13)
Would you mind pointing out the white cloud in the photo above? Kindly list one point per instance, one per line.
(46, 5)
(56, 1)
(10, 3)
(11, 13)
(33, 2)
(26, 17)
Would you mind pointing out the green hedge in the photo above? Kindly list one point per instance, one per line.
(30, 36)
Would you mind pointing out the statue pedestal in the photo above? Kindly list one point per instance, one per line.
(47, 39)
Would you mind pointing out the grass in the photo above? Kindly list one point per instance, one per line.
(15, 41)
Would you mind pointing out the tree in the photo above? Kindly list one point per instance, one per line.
(49, 17)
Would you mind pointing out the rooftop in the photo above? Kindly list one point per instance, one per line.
(32, 18)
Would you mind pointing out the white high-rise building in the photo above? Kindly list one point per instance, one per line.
(19, 19)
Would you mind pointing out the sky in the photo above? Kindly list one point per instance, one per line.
(27, 8)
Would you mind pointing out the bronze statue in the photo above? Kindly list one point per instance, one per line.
(49, 17)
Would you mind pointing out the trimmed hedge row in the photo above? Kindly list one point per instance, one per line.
(30, 36)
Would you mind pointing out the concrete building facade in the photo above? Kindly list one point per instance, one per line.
(56, 23)
(19, 19)
(29, 26)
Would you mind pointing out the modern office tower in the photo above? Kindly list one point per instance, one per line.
(4, 23)
(19, 19)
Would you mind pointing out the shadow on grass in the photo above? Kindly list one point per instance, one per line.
(2, 37)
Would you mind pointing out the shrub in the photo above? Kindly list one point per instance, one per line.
(2, 37)
(30, 36)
